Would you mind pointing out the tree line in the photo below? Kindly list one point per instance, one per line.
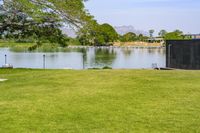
(41, 21)
(174, 35)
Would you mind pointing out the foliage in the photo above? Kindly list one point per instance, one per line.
(151, 32)
(71, 12)
(107, 67)
(96, 34)
(162, 33)
(142, 38)
(109, 33)
(40, 19)
(175, 35)
(17, 47)
(131, 37)
(73, 41)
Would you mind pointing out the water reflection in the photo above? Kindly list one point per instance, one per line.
(104, 56)
(127, 52)
(91, 57)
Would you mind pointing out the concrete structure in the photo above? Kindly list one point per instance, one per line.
(183, 54)
(156, 39)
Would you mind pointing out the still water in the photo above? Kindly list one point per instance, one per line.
(90, 57)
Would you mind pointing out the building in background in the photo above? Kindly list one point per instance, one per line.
(156, 40)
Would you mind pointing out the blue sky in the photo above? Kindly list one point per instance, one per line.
(148, 14)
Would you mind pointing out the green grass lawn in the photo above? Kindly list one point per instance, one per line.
(99, 101)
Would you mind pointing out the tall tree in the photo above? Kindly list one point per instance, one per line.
(142, 38)
(109, 33)
(95, 34)
(151, 32)
(129, 37)
(175, 35)
(69, 11)
(162, 33)
(41, 17)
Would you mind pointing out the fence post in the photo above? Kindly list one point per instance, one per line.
(169, 56)
(5, 59)
(83, 61)
(44, 66)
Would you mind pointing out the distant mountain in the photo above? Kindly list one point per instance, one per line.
(120, 30)
(125, 29)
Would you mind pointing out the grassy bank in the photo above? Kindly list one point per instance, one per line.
(45, 47)
(21, 47)
(139, 101)
(14, 44)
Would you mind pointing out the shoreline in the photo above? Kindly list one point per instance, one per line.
(138, 43)
(115, 47)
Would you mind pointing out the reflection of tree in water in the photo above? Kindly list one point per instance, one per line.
(151, 50)
(156, 50)
(105, 56)
(80, 50)
(84, 54)
(127, 51)
(161, 51)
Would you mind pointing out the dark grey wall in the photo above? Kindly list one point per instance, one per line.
(183, 54)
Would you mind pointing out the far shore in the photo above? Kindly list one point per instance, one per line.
(71, 46)
(138, 44)
(115, 44)
(127, 44)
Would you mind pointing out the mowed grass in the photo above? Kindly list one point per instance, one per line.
(99, 101)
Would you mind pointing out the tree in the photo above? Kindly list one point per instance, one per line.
(69, 11)
(129, 37)
(162, 33)
(142, 38)
(178, 31)
(86, 35)
(95, 34)
(109, 33)
(175, 35)
(151, 32)
(41, 18)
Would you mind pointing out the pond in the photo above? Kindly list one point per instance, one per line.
(87, 57)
